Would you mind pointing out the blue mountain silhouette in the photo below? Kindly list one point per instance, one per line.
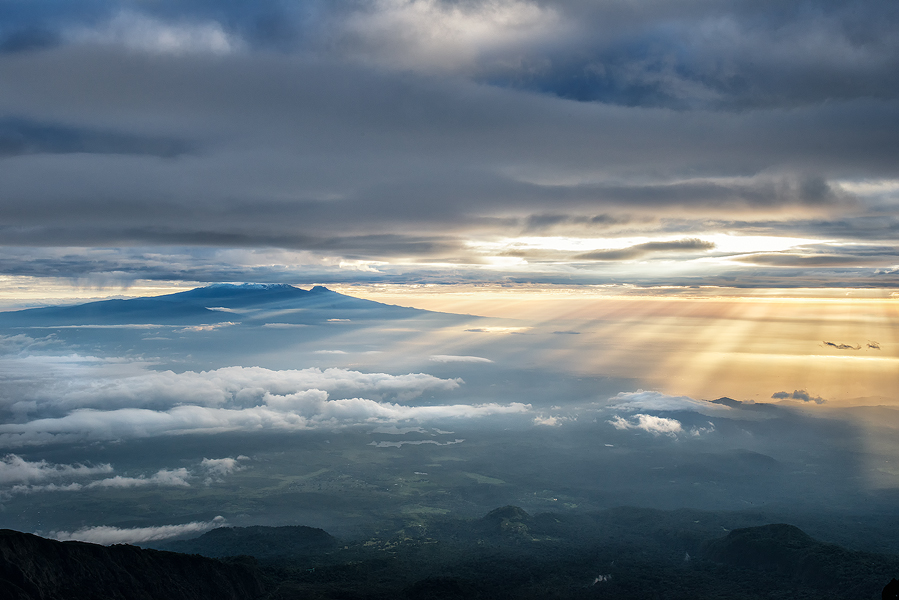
(212, 304)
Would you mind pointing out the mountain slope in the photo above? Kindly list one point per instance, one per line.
(790, 554)
(33, 568)
(615, 555)
(259, 542)
(208, 305)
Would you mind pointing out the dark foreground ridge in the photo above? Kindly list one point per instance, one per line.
(619, 554)
(260, 542)
(33, 568)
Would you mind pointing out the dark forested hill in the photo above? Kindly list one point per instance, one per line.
(260, 542)
(34, 568)
(620, 554)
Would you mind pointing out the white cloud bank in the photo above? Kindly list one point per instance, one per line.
(307, 414)
(648, 423)
(163, 477)
(15, 469)
(46, 384)
(107, 535)
(65, 399)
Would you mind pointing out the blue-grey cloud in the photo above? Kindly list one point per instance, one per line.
(317, 127)
(22, 136)
(842, 346)
(641, 250)
(798, 395)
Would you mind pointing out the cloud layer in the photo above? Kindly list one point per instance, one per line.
(20, 476)
(392, 139)
(70, 398)
(107, 535)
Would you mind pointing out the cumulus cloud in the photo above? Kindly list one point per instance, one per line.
(163, 477)
(449, 358)
(106, 535)
(15, 469)
(68, 398)
(798, 395)
(66, 383)
(217, 468)
(46, 487)
(313, 413)
(648, 423)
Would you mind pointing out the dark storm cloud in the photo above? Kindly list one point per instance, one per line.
(641, 250)
(681, 54)
(24, 40)
(734, 55)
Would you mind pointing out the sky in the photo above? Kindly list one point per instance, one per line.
(683, 142)
(621, 210)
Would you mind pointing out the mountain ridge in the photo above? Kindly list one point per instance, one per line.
(216, 303)
(557, 555)
(32, 568)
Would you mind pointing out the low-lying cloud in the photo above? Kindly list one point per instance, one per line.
(15, 469)
(25, 477)
(163, 477)
(46, 384)
(106, 535)
(307, 413)
(217, 468)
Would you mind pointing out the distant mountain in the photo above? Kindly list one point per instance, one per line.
(211, 304)
(34, 568)
(259, 542)
(786, 552)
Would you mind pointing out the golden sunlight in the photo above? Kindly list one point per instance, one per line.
(839, 350)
